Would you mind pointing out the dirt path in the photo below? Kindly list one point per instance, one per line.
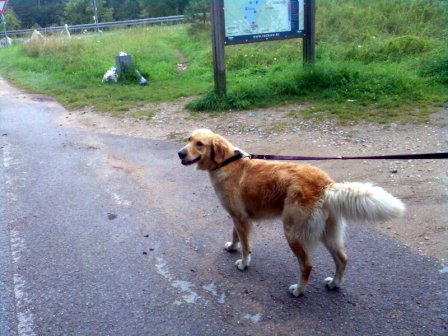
(422, 184)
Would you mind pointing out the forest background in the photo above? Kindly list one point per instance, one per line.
(24, 14)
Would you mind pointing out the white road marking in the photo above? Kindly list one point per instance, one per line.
(120, 201)
(187, 293)
(212, 289)
(25, 317)
(253, 318)
(162, 269)
(7, 158)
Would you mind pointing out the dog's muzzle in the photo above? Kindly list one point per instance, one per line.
(183, 156)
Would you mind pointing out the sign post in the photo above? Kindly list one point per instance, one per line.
(2, 10)
(309, 39)
(243, 21)
(95, 15)
(219, 63)
(4, 26)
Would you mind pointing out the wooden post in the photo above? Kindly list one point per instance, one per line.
(219, 64)
(309, 40)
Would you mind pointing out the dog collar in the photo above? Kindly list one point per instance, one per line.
(238, 155)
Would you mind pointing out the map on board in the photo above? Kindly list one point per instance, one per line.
(262, 19)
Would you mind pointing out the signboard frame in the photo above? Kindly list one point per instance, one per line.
(3, 4)
(308, 35)
(294, 32)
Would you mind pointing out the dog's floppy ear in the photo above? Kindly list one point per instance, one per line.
(220, 149)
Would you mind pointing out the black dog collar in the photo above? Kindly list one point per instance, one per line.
(238, 155)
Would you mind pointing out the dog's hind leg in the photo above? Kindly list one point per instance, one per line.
(301, 251)
(232, 246)
(302, 232)
(242, 228)
(305, 266)
(333, 239)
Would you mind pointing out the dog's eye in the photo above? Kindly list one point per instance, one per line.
(199, 144)
(189, 139)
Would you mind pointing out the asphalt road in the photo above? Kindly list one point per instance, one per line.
(110, 235)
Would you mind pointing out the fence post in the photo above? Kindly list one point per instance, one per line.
(309, 40)
(219, 64)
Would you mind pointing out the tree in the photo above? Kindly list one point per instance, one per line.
(49, 12)
(41, 13)
(25, 11)
(45, 13)
(12, 21)
(82, 11)
(197, 11)
(125, 9)
(156, 8)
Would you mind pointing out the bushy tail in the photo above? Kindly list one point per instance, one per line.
(362, 202)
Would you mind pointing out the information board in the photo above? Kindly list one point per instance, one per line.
(261, 20)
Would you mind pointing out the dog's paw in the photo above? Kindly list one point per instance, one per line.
(295, 290)
(241, 265)
(230, 247)
(331, 283)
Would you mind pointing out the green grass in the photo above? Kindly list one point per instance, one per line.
(377, 60)
(72, 70)
(143, 114)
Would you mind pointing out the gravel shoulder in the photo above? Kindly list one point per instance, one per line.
(421, 184)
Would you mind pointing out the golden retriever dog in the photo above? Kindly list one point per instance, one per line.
(310, 204)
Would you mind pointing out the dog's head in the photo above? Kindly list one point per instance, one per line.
(207, 149)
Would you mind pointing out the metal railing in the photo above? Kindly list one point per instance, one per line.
(90, 26)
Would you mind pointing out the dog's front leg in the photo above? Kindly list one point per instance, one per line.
(241, 230)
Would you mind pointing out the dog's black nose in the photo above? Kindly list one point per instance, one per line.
(182, 154)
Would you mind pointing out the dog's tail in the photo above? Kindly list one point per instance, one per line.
(362, 202)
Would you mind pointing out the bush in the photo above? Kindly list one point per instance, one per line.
(197, 14)
(435, 66)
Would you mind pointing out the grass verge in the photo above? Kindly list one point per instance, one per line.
(377, 60)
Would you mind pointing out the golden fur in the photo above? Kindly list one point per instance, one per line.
(311, 205)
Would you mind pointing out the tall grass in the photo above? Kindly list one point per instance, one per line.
(381, 60)
(371, 55)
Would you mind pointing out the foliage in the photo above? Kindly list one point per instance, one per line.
(435, 66)
(82, 11)
(125, 9)
(45, 13)
(25, 11)
(197, 13)
(49, 13)
(12, 21)
(156, 8)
